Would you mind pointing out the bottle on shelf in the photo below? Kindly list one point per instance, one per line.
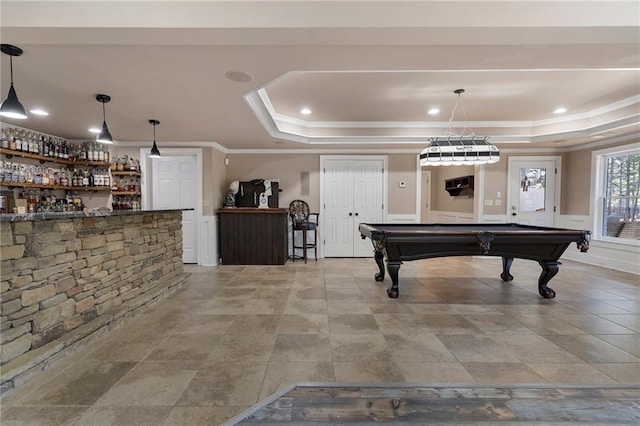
(4, 139)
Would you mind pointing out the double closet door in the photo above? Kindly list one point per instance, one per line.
(353, 191)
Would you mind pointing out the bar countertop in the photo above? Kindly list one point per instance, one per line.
(73, 215)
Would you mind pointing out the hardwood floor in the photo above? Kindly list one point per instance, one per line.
(405, 404)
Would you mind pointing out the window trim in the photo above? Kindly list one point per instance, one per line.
(598, 166)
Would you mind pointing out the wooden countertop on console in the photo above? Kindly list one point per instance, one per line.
(252, 210)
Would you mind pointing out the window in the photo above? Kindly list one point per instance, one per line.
(533, 184)
(618, 197)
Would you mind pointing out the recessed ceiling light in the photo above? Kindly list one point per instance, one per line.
(305, 111)
(239, 76)
(94, 130)
(560, 110)
(39, 112)
(433, 111)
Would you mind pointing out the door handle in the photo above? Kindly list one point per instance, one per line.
(514, 214)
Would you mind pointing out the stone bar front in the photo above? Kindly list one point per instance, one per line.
(66, 276)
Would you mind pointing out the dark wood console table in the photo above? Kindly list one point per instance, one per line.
(253, 236)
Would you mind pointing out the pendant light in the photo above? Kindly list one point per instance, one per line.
(11, 106)
(104, 136)
(459, 149)
(155, 152)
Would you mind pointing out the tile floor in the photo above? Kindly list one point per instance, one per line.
(236, 334)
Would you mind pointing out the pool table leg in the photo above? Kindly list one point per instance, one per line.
(393, 268)
(506, 265)
(379, 256)
(549, 270)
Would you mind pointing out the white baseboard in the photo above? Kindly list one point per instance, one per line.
(450, 217)
(403, 218)
(494, 218)
(209, 241)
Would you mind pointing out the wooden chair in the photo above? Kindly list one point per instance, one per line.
(303, 221)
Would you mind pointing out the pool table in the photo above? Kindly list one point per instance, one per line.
(399, 242)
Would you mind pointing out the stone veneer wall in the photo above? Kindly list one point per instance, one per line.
(64, 279)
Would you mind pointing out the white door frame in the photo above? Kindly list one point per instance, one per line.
(385, 182)
(424, 206)
(145, 185)
(557, 186)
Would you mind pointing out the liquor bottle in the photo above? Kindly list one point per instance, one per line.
(29, 143)
(29, 175)
(33, 143)
(4, 139)
(45, 176)
(106, 154)
(64, 178)
(83, 152)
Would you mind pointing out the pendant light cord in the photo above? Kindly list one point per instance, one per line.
(450, 132)
(11, 67)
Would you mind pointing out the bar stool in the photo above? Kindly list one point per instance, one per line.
(303, 221)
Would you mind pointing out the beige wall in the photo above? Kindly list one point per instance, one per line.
(402, 167)
(288, 168)
(576, 182)
(576, 179)
(213, 185)
(495, 180)
(440, 199)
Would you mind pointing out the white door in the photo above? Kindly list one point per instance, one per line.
(173, 188)
(337, 215)
(353, 194)
(425, 196)
(532, 191)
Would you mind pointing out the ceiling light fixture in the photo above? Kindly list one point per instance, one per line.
(560, 110)
(459, 149)
(38, 112)
(94, 130)
(433, 111)
(155, 152)
(104, 136)
(239, 76)
(11, 106)
(305, 111)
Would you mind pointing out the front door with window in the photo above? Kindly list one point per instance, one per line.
(532, 191)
